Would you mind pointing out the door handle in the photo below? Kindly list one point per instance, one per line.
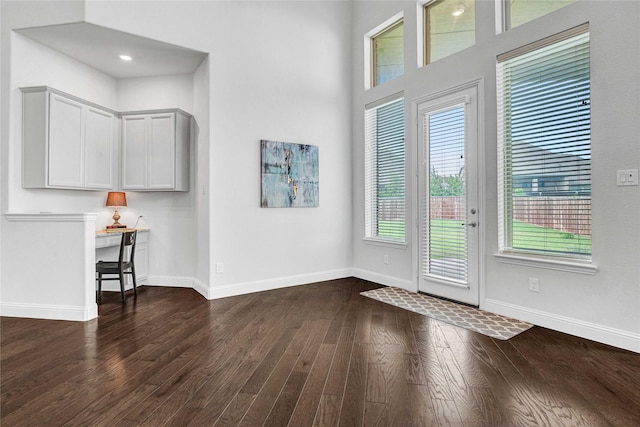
(472, 224)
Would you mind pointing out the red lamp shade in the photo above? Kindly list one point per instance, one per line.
(116, 198)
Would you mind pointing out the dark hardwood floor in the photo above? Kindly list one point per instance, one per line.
(310, 355)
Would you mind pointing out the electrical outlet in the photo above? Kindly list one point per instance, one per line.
(385, 259)
(219, 267)
(533, 284)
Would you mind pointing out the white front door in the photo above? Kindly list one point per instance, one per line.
(448, 186)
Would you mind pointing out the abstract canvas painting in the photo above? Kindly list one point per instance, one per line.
(289, 175)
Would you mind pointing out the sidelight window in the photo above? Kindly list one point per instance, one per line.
(385, 171)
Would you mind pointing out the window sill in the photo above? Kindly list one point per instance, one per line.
(550, 264)
(383, 242)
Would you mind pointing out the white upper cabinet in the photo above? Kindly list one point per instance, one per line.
(155, 150)
(67, 142)
(70, 143)
(134, 137)
(99, 138)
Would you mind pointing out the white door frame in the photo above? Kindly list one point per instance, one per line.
(481, 161)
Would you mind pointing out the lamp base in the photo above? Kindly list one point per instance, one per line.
(115, 226)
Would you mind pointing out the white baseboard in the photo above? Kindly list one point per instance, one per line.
(171, 281)
(114, 285)
(237, 288)
(51, 312)
(166, 281)
(276, 283)
(384, 279)
(592, 331)
(202, 288)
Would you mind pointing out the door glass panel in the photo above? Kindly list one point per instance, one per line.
(446, 240)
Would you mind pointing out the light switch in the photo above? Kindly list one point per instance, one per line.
(627, 177)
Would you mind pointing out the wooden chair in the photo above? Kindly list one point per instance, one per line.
(121, 267)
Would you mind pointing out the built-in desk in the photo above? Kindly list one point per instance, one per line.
(108, 247)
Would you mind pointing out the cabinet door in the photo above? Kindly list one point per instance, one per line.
(66, 156)
(98, 145)
(142, 262)
(161, 159)
(134, 135)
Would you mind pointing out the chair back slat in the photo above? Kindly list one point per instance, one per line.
(128, 239)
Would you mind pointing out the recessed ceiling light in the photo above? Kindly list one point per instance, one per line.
(126, 57)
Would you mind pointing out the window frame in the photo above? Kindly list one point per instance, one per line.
(371, 232)
(426, 35)
(565, 261)
(373, 51)
(503, 15)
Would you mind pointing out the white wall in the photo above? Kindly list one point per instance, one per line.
(33, 64)
(292, 85)
(18, 15)
(605, 306)
(281, 71)
(171, 216)
(201, 135)
(261, 82)
(56, 281)
(147, 93)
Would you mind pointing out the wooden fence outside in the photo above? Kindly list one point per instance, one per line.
(448, 207)
(569, 215)
(391, 209)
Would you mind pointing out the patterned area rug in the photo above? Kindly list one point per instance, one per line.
(486, 323)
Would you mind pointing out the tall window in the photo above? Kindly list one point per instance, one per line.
(517, 12)
(450, 26)
(387, 53)
(544, 147)
(384, 171)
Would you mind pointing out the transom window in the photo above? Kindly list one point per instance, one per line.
(387, 53)
(517, 12)
(449, 27)
(544, 147)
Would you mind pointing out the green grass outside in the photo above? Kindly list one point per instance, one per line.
(391, 229)
(524, 237)
(528, 236)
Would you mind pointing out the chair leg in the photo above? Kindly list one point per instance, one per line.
(133, 276)
(122, 285)
(99, 287)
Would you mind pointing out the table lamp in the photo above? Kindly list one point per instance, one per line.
(115, 199)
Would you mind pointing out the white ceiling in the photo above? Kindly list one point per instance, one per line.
(100, 47)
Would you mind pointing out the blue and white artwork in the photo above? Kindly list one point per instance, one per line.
(289, 175)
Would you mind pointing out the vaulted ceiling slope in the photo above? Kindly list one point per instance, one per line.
(101, 47)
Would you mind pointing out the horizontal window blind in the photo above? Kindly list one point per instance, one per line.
(385, 171)
(544, 139)
(446, 240)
